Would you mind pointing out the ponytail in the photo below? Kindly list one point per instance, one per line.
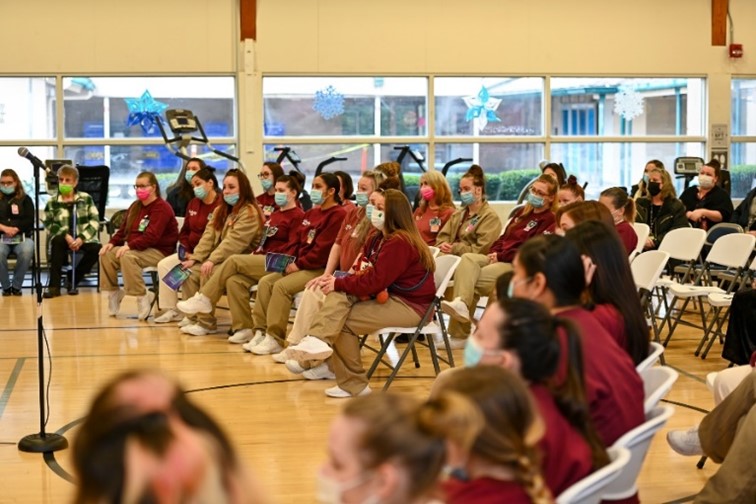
(475, 172)
(621, 200)
(528, 475)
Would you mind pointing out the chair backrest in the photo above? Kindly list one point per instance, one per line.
(94, 181)
(591, 489)
(642, 230)
(647, 268)
(683, 244)
(721, 229)
(434, 251)
(654, 352)
(732, 250)
(657, 382)
(446, 265)
(637, 441)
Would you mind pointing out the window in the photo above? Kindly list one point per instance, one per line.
(27, 108)
(743, 146)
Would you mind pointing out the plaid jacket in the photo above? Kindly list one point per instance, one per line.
(87, 217)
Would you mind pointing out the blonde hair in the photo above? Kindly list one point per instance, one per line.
(443, 194)
(399, 222)
(553, 186)
(668, 187)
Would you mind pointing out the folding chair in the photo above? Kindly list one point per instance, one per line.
(637, 441)
(434, 251)
(591, 489)
(647, 269)
(655, 353)
(657, 382)
(432, 325)
(95, 180)
(642, 230)
(731, 251)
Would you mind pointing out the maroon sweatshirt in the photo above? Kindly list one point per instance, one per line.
(628, 236)
(349, 242)
(267, 204)
(159, 229)
(280, 232)
(195, 221)
(520, 230)
(317, 233)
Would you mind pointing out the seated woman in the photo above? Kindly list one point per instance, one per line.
(392, 284)
(16, 228)
(661, 210)
(570, 192)
(569, 216)
(268, 176)
(436, 205)
(180, 193)
(198, 213)
(477, 273)
(549, 269)
(707, 204)
(640, 190)
(148, 234)
(392, 448)
(475, 226)
(235, 228)
(59, 221)
(347, 189)
(611, 291)
(503, 464)
(240, 272)
(622, 208)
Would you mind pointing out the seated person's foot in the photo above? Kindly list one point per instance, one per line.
(51, 292)
(199, 303)
(310, 348)
(16, 292)
(456, 309)
(8, 291)
(685, 442)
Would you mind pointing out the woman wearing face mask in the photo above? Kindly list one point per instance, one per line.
(640, 190)
(436, 205)
(269, 174)
(477, 273)
(390, 449)
(349, 242)
(475, 226)
(180, 193)
(391, 281)
(549, 269)
(661, 210)
(16, 228)
(622, 208)
(198, 213)
(235, 228)
(707, 203)
(236, 276)
(59, 213)
(570, 192)
(148, 234)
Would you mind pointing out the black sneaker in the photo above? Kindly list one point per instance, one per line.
(15, 292)
(51, 292)
(7, 292)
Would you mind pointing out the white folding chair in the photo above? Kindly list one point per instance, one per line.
(642, 230)
(647, 269)
(655, 353)
(637, 441)
(432, 326)
(591, 489)
(434, 251)
(657, 382)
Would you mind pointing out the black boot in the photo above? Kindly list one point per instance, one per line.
(51, 292)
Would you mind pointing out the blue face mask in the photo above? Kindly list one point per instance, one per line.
(200, 192)
(281, 199)
(231, 199)
(266, 184)
(369, 212)
(316, 195)
(362, 198)
(473, 352)
(535, 201)
(645, 178)
(188, 175)
(467, 198)
(8, 190)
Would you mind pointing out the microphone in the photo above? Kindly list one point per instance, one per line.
(24, 152)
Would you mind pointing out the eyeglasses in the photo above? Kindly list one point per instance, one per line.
(142, 186)
(264, 175)
(536, 192)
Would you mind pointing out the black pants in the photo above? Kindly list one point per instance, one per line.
(89, 253)
(740, 341)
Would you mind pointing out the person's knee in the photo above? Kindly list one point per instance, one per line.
(25, 251)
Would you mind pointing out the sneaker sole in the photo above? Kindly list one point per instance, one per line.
(454, 313)
(301, 355)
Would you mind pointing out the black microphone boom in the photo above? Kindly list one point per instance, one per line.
(24, 152)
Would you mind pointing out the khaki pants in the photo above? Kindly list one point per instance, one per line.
(343, 319)
(167, 297)
(234, 277)
(307, 311)
(474, 278)
(131, 265)
(275, 295)
(728, 435)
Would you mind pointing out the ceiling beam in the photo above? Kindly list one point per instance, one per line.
(719, 22)
(248, 19)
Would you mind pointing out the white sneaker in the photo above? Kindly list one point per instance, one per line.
(241, 336)
(685, 442)
(456, 309)
(320, 372)
(340, 393)
(457, 343)
(294, 366)
(199, 303)
(256, 340)
(114, 302)
(268, 346)
(311, 348)
(282, 356)
(197, 330)
(185, 322)
(144, 305)
(168, 317)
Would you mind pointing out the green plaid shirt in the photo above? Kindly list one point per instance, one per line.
(57, 215)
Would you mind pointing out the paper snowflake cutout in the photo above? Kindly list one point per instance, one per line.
(628, 103)
(329, 103)
(482, 108)
(144, 111)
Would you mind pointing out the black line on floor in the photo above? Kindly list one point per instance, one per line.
(49, 458)
(10, 384)
(684, 405)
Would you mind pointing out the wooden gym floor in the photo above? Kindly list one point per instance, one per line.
(277, 420)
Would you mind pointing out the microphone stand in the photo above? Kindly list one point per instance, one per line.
(41, 442)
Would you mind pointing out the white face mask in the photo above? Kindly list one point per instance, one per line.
(378, 218)
(706, 181)
(329, 491)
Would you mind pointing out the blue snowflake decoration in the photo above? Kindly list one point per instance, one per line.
(329, 103)
(144, 111)
(482, 108)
